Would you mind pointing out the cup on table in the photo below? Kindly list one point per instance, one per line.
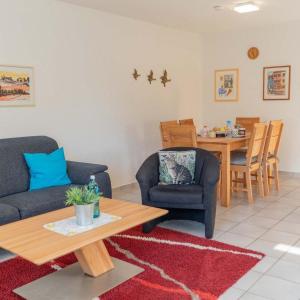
(242, 131)
(212, 134)
(235, 132)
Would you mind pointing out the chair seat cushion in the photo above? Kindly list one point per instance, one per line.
(239, 158)
(8, 214)
(37, 202)
(177, 196)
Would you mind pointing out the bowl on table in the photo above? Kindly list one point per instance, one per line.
(220, 134)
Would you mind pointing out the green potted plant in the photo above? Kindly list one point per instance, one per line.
(83, 200)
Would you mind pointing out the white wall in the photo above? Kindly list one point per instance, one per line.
(85, 96)
(278, 45)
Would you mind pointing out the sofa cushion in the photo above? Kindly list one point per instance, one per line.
(177, 167)
(37, 202)
(13, 169)
(47, 169)
(177, 196)
(8, 214)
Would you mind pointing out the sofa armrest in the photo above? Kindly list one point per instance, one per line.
(80, 172)
(147, 175)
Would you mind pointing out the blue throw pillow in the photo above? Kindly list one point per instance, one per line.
(47, 170)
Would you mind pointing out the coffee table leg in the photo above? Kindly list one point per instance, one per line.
(94, 259)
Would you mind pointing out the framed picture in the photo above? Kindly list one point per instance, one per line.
(277, 83)
(16, 86)
(227, 85)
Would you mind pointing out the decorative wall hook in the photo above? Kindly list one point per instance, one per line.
(164, 79)
(151, 77)
(135, 74)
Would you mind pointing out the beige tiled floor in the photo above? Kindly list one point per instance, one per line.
(271, 225)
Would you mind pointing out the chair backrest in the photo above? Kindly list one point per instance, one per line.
(181, 136)
(247, 122)
(187, 122)
(257, 142)
(163, 133)
(273, 139)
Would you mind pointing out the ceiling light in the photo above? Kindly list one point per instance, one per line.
(246, 7)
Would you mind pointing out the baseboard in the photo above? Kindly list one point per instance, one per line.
(290, 174)
(125, 186)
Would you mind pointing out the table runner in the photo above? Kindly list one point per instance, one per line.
(68, 227)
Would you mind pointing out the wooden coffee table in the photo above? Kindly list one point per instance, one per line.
(30, 240)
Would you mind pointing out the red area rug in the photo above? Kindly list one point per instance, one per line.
(177, 266)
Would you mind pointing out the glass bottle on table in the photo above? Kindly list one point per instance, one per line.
(93, 186)
(229, 128)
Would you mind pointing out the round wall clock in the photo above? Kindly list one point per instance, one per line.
(253, 53)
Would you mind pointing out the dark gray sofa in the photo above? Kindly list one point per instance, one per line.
(16, 202)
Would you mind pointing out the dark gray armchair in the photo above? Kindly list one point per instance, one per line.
(194, 202)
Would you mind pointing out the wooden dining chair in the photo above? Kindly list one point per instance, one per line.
(163, 133)
(247, 122)
(181, 136)
(187, 122)
(251, 161)
(270, 156)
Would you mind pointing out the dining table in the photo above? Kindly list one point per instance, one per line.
(223, 145)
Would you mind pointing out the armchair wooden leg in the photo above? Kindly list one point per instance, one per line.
(249, 186)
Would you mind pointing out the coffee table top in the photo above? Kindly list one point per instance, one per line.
(28, 239)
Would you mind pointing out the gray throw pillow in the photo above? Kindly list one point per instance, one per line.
(177, 167)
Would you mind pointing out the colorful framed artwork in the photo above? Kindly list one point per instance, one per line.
(277, 83)
(227, 85)
(16, 86)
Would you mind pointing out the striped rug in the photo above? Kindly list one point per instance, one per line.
(177, 266)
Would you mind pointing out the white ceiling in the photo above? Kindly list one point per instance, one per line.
(199, 15)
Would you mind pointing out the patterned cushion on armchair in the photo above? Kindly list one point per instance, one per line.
(177, 167)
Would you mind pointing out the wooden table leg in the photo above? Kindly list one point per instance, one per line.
(94, 259)
(225, 166)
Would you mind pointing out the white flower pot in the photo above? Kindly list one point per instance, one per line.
(84, 214)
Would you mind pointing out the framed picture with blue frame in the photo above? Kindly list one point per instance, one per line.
(227, 85)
